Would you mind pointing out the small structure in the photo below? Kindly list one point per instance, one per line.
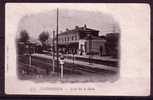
(95, 47)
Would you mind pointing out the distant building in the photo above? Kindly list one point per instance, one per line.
(81, 40)
(30, 46)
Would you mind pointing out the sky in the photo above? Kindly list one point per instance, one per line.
(34, 24)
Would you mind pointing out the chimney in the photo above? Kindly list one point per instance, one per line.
(76, 27)
(67, 29)
(85, 26)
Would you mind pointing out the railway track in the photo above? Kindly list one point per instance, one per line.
(68, 67)
(97, 61)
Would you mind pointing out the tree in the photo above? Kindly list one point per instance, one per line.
(43, 37)
(24, 37)
(112, 44)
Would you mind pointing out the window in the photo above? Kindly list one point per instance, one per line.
(62, 39)
(72, 38)
(67, 38)
(75, 37)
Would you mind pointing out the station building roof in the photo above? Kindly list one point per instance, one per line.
(78, 29)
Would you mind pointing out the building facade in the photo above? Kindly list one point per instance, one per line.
(96, 46)
(79, 41)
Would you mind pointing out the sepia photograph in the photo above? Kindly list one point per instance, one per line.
(77, 49)
(76, 53)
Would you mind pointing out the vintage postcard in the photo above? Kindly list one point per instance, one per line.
(77, 49)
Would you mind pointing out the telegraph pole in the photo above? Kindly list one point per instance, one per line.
(90, 47)
(57, 55)
(53, 61)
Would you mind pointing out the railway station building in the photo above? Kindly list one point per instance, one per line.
(82, 41)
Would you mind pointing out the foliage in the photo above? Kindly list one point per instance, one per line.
(24, 36)
(112, 44)
(43, 36)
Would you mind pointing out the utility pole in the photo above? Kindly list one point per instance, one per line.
(90, 47)
(53, 49)
(57, 55)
